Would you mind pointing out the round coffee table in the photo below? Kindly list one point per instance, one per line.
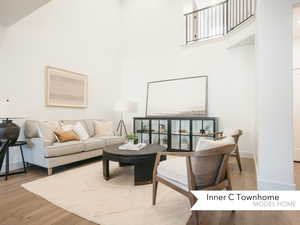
(142, 160)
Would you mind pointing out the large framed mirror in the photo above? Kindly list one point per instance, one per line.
(177, 97)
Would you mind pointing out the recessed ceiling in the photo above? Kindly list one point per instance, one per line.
(11, 11)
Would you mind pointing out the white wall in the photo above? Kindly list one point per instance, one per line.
(274, 95)
(72, 34)
(296, 54)
(81, 36)
(152, 50)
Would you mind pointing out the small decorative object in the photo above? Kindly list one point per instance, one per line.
(202, 131)
(132, 139)
(162, 128)
(65, 88)
(183, 131)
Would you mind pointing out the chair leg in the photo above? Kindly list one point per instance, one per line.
(194, 219)
(229, 185)
(238, 158)
(155, 183)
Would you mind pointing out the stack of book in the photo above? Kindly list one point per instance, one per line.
(132, 147)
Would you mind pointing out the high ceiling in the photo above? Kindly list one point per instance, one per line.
(12, 11)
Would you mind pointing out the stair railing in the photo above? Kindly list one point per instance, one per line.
(217, 20)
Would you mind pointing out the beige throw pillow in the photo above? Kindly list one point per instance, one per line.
(46, 130)
(80, 131)
(104, 128)
(205, 144)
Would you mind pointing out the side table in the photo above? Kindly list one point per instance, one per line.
(16, 144)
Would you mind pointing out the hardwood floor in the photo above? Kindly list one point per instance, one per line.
(18, 206)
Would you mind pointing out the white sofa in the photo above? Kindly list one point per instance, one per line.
(48, 154)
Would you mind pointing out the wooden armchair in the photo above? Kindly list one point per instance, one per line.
(201, 170)
(236, 135)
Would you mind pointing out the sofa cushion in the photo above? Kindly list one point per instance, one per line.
(93, 143)
(174, 170)
(67, 148)
(112, 140)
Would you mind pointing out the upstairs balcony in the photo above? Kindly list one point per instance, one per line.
(217, 20)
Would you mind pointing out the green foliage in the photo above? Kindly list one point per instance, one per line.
(132, 137)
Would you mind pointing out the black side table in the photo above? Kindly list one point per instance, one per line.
(16, 144)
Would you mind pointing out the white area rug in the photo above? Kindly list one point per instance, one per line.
(84, 192)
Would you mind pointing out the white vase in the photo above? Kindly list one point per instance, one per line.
(131, 142)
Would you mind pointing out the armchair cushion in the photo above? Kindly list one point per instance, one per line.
(174, 170)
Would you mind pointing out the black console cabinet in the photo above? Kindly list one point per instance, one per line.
(175, 133)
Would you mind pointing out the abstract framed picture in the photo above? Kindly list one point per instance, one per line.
(65, 88)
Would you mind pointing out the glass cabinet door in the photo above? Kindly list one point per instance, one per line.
(208, 127)
(159, 132)
(142, 130)
(180, 135)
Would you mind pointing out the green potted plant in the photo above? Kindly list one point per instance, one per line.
(132, 139)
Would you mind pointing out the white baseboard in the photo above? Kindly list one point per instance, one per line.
(245, 154)
(271, 185)
(263, 184)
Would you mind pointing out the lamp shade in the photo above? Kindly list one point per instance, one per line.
(126, 106)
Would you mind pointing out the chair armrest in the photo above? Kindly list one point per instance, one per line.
(219, 136)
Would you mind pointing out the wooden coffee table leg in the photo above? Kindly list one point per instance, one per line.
(143, 172)
(105, 169)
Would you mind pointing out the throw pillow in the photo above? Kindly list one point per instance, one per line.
(205, 144)
(67, 127)
(104, 128)
(80, 131)
(46, 130)
(65, 136)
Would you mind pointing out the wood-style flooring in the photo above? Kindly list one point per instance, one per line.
(20, 207)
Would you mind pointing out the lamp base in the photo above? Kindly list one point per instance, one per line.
(121, 127)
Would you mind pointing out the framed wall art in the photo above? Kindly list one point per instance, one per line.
(65, 88)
